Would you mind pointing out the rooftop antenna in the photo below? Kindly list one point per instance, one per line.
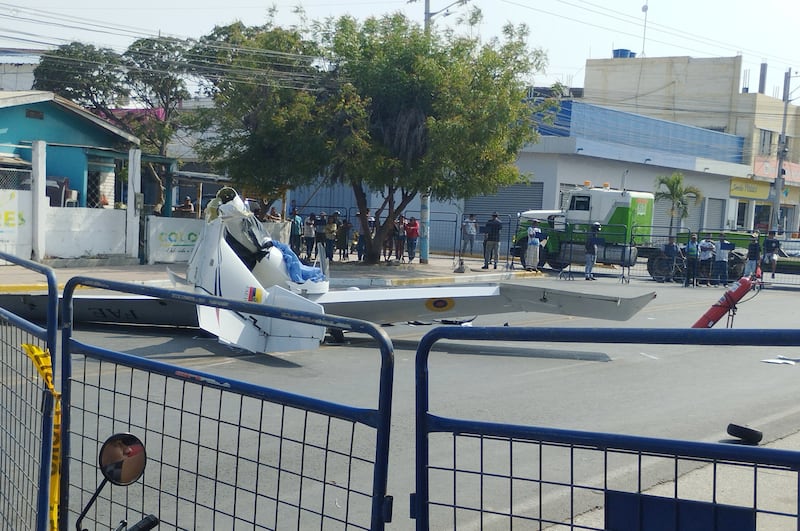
(644, 31)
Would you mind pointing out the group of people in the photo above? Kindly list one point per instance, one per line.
(707, 259)
(336, 234)
(491, 238)
(402, 238)
(330, 231)
(536, 239)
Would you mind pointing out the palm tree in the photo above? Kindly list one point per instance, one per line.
(672, 189)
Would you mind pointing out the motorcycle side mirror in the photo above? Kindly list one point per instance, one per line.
(122, 459)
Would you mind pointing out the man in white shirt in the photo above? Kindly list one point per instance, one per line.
(469, 229)
(535, 241)
(707, 249)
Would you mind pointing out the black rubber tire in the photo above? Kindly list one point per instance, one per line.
(735, 271)
(337, 335)
(747, 435)
(659, 267)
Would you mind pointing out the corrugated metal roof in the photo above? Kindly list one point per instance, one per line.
(19, 59)
(22, 56)
(9, 159)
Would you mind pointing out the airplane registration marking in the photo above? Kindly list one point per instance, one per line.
(440, 305)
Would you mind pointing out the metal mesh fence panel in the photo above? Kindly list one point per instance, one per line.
(216, 457)
(488, 475)
(222, 453)
(492, 482)
(21, 423)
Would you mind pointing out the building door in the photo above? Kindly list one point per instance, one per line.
(715, 214)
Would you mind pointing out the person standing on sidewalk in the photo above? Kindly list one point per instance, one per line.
(535, 241)
(492, 248)
(469, 229)
(412, 235)
(399, 232)
(692, 258)
(771, 248)
(308, 235)
(297, 231)
(720, 272)
(319, 232)
(591, 251)
(753, 256)
(706, 260)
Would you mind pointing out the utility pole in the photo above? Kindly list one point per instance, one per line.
(428, 15)
(425, 197)
(782, 152)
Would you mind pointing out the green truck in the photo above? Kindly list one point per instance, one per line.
(626, 217)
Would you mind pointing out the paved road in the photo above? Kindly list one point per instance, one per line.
(684, 392)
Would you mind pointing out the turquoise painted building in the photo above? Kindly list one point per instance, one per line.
(84, 153)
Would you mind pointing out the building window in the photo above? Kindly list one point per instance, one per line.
(37, 115)
(579, 202)
(765, 143)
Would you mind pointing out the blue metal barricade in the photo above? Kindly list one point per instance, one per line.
(222, 453)
(474, 474)
(26, 411)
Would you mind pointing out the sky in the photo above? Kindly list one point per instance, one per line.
(569, 31)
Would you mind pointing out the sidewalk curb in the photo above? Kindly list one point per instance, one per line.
(344, 282)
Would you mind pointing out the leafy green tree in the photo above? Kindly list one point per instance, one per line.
(89, 76)
(446, 115)
(264, 84)
(155, 76)
(384, 107)
(155, 72)
(672, 188)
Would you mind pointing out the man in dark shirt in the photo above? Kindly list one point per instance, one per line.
(492, 245)
(753, 256)
(591, 250)
(771, 247)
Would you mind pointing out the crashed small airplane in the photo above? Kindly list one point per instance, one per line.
(235, 258)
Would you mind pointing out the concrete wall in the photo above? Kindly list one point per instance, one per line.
(16, 76)
(84, 232)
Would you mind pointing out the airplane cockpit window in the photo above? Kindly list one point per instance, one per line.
(256, 233)
(579, 202)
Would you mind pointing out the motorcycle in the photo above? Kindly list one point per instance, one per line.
(121, 461)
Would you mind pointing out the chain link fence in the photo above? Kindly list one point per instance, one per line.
(15, 179)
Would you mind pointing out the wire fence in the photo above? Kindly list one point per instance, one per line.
(226, 454)
(27, 407)
(484, 475)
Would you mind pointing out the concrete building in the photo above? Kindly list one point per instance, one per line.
(590, 143)
(713, 94)
(16, 68)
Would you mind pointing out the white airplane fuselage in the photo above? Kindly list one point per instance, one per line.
(235, 259)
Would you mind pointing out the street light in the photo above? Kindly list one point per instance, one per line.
(430, 14)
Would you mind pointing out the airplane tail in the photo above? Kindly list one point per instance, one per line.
(258, 333)
(234, 258)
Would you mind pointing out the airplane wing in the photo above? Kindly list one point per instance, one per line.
(391, 305)
(387, 305)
